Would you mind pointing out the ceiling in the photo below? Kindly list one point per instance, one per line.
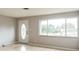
(20, 12)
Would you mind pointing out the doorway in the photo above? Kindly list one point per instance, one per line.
(23, 31)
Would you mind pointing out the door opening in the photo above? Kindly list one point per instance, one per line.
(23, 31)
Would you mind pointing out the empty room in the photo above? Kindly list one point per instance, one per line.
(39, 29)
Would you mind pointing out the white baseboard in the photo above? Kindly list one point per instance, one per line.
(10, 43)
(53, 47)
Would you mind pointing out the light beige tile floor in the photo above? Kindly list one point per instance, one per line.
(22, 47)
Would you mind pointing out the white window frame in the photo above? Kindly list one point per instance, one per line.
(60, 35)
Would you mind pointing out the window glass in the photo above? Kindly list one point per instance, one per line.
(71, 26)
(43, 27)
(56, 27)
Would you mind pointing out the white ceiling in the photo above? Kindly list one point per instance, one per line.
(20, 12)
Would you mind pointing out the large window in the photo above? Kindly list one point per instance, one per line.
(59, 27)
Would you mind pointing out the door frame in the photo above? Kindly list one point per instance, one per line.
(19, 31)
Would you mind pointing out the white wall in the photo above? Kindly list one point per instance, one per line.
(7, 30)
(64, 42)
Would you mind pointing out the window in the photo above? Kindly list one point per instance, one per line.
(43, 27)
(71, 27)
(56, 27)
(59, 27)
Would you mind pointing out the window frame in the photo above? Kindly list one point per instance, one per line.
(65, 30)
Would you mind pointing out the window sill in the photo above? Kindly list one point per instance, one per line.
(57, 36)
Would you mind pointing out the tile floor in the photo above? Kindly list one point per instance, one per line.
(22, 47)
